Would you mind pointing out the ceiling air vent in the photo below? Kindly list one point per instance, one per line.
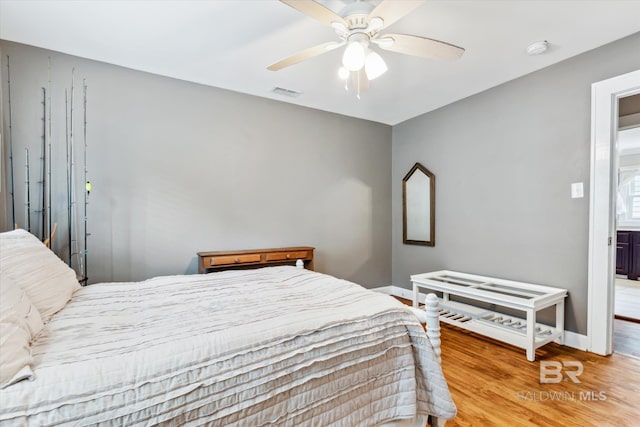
(286, 92)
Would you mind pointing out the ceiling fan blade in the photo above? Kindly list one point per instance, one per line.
(419, 46)
(390, 11)
(359, 81)
(315, 11)
(305, 54)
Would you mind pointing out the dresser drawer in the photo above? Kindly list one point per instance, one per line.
(232, 259)
(254, 258)
(282, 256)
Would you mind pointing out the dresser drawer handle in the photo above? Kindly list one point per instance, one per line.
(236, 260)
(288, 256)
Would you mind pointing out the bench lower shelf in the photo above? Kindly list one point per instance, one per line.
(509, 329)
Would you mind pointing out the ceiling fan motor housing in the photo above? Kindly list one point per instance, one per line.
(356, 15)
(359, 37)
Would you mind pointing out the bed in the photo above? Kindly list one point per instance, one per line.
(263, 347)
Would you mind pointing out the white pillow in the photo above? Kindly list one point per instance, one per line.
(15, 352)
(46, 279)
(14, 300)
(19, 322)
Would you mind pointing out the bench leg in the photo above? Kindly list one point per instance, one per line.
(531, 335)
(560, 321)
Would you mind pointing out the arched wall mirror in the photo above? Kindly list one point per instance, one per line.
(419, 207)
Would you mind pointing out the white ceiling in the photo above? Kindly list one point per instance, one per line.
(229, 43)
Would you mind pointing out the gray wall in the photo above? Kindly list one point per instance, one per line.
(179, 168)
(504, 160)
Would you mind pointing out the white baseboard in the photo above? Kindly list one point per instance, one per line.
(396, 291)
(571, 339)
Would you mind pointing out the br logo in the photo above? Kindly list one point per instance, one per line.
(553, 372)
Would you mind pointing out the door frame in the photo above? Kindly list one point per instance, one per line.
(603, 186)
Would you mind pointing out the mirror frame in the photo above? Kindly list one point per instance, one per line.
(432, 207)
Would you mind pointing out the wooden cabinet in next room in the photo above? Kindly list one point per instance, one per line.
(628, 254)
(623, 249)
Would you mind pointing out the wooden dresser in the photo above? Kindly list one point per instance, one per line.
(254, 258)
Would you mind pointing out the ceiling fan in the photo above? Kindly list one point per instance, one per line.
(358, 26)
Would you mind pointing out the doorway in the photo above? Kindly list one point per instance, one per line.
(605, 96)
(626, 325)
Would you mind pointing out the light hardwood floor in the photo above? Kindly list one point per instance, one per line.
(493, 384)
(627, 303)
(626, 337)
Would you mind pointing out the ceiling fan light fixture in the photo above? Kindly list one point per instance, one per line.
(354, 56)
(357, 26)
(374, 66)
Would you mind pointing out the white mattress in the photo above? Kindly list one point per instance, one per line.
(274, 346)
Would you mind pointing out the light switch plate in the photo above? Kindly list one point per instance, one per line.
(577, 190)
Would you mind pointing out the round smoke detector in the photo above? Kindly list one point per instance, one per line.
(537, 48)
